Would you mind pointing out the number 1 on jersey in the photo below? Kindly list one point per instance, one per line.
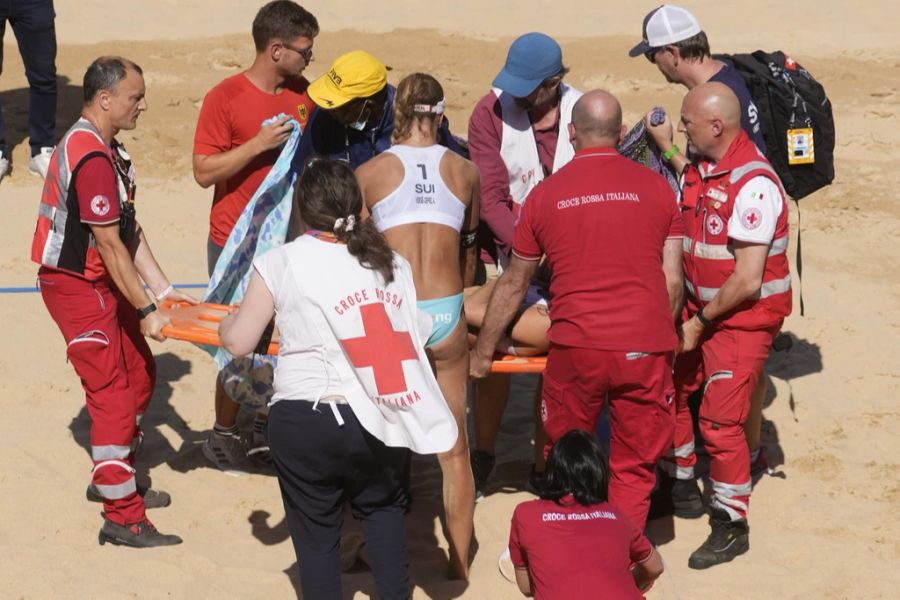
(424, 172)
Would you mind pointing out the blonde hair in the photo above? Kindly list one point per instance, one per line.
(414, 93)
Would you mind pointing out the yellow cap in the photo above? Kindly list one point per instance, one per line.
(356, 74)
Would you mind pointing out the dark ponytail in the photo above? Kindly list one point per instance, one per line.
(329, 199)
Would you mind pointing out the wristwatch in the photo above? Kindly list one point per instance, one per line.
(702, 318)
(143, 312)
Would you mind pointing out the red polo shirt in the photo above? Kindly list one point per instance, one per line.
(602, 220)
(576, 551)
(231, 115)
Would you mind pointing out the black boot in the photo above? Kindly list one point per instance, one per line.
(137, 535)
(152, 498)
(727, 540)
(687, 499)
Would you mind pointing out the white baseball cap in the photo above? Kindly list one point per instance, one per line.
(665, 25)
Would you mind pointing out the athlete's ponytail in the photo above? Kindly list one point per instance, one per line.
(419, 99)
(329, 200)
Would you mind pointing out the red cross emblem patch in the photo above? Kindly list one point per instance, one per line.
(382, 348)
(751, 218)
(100, 205)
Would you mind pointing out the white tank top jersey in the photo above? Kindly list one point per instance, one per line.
(422, 197)
(343, 332)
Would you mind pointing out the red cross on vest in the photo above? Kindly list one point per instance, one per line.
(382, 348)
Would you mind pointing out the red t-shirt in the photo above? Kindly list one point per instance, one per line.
(485, 137)
(97, 191)
(232, 114)
(602, 220)
(576, 551)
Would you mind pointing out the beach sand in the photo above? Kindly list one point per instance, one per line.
(826, 527)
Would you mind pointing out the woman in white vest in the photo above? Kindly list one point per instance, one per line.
(353, 386)
(425, 201)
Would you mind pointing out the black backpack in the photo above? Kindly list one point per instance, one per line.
(790, 99)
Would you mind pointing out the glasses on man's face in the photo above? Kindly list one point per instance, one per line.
(306, 53)
(651, 54)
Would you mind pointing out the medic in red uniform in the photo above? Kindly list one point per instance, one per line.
(612, 234)
(94, 262)
(738, 294)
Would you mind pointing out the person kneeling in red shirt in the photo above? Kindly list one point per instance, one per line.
(573, 529)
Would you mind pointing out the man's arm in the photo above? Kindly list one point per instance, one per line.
(152, 273)
(742, 284)
(505, 301)
(523, 580)
(241, 332)
(662, 135)
(484, 148)
(210, 169)
(468, 250)
(121, 268)
(648, 570)
(672, 268)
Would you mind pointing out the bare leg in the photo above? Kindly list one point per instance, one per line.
(529, 332)
(451, 359)
(226, 408)
(491, 396)
(540, 436)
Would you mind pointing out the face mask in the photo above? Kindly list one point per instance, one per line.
(360, 123)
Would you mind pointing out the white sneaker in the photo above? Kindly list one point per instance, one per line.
(4, 166)
(228, 453)
(39, 163)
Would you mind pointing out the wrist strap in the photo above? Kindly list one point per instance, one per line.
(700, 317)
(160, 296)
(668, 154)
(143, 312)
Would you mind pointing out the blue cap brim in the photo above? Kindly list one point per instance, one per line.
(517, 87)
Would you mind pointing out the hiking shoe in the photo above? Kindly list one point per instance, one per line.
(687, 501)
(137, 535)
(727, 540)
(536, 481)
(227, 453)
(258, 451)
(40, 162)
(4, 165)
(482, 465)
(152, 498)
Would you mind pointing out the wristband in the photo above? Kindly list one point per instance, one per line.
(668, 154)
(160, 296)
(143, 312)
(706, 322)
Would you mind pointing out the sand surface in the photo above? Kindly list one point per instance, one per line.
(827, 527)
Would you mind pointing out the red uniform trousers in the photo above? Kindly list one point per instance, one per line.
(577, 382)
(117, 372)
(730, 362)
(688, 377)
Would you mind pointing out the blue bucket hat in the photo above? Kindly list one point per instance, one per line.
(532, 58)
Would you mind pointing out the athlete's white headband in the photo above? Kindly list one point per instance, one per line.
(436, 109)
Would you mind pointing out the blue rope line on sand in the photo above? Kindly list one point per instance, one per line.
(32, 289)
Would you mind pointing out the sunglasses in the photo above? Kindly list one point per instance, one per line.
(651, 54)
(306, 53)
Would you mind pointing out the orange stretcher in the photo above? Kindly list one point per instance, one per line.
(200, 324)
